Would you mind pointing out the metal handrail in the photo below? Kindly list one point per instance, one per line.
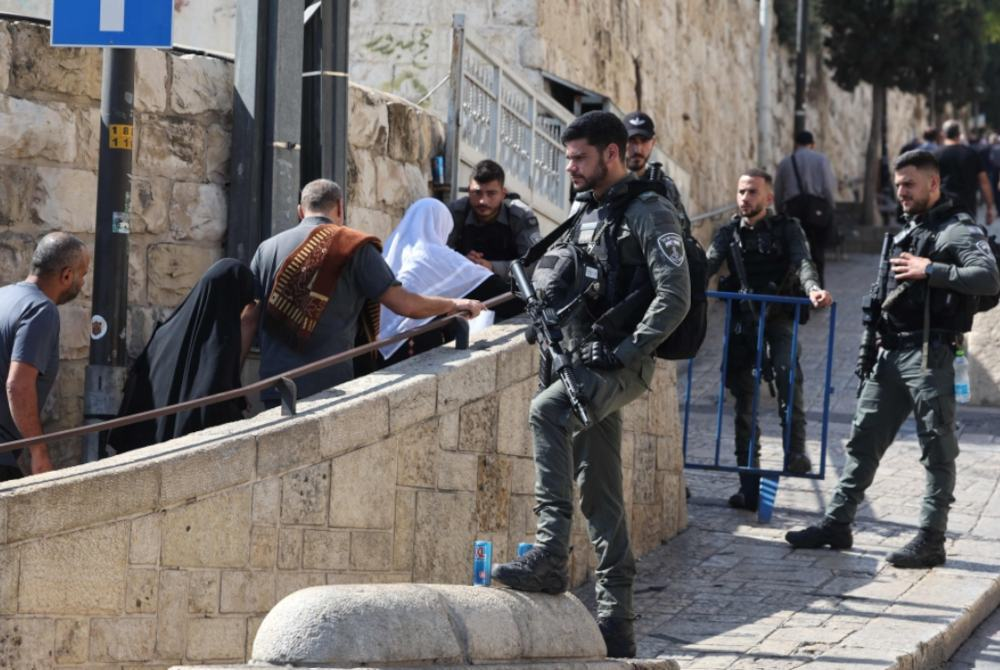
(282, 381)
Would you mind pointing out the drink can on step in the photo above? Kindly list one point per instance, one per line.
(482, 562)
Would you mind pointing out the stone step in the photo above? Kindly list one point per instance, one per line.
(436, 626)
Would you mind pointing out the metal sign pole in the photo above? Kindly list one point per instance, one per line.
(334, 90)
(108, 354)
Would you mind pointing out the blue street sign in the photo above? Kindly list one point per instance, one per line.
(112, 23)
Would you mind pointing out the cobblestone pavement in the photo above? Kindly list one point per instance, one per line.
(730, 593)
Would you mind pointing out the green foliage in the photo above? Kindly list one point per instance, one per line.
(785, 28)
(990, 101)
(866, 43)
(990, 95)
(991, 21)
(912, 45)
(958, 66)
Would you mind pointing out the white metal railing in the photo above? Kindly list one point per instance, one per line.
(496, 114)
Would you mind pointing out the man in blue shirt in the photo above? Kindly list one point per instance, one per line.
(29, 342)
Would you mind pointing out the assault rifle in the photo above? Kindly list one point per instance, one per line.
(871, 314)
(547, 333)
(748, 321)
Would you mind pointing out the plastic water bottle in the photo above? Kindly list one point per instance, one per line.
(962, 394)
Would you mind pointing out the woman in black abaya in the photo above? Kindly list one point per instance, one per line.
(193, 354)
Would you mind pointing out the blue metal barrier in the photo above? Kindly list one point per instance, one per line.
(769, 477)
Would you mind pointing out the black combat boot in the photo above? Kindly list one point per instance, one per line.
(537, 570)
(837, 535)
(739, 501)
(619, 637)
(924, 551)
(798, 463)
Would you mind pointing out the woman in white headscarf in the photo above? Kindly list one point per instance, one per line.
(421, 260)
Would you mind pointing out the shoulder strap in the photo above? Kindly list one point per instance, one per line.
(798, 177)
(539, 249)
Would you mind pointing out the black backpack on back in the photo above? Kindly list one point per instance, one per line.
(686, 339)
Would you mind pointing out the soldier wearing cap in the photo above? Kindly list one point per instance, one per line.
(641, 141)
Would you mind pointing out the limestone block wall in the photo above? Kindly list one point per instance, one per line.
(690, 63)
(49, 133)
(984, 359)
(174, 553)
(693, 65)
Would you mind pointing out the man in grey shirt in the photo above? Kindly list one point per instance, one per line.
(805, 182)
(365, 276)
(29, 342)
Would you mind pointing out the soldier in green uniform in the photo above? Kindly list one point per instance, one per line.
(777, 260)
(641, 141)
(940, 262)
(637, 239)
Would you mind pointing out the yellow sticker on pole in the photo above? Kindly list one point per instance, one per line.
(120, 136)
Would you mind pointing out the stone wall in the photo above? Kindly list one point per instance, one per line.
(49, 132)
(174, 553)
(984, 359)
(691, 64)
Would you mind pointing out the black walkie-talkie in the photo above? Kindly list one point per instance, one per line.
(654, 172)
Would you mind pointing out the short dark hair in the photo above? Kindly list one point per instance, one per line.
(918, 158)
(599, 129)
(804, 138)
(759, 173)
(320, 195)
(931, 134)
(486, 171)
(952, 129)
(56, 252)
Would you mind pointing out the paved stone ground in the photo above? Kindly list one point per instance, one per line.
(730, 593)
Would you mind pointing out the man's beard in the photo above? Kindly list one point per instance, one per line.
(69, 294)
(918, 207)
(486, 214)
(752, 214)
(636, 163)
(600, 174)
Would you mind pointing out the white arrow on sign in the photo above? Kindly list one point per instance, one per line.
(112, 16)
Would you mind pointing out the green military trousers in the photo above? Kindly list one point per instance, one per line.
(897, 386)
(778, 333)
(564, 452)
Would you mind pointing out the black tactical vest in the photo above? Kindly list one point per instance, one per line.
(495, 240)
(765, 254)
(949, 310)
(601, 230)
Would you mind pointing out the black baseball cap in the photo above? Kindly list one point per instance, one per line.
(639, 123)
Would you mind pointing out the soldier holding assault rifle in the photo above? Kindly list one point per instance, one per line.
(943, 270)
